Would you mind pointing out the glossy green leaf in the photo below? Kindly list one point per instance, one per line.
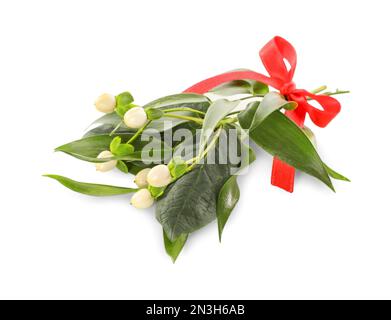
(273, 101)
(91, 189)
(229, 193)
(241, 87)
(281, 137)
(135, 167)
(189, 100)
(335, 175)
(309, 133)
(190, 203)
(87, 149)
(247, 154)
(228, 197)
(174, 248)
(106, 124)
(122, 166)
(216, 112)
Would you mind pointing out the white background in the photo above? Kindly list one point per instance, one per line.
(57, 56)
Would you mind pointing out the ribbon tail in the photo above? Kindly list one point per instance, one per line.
(283, 175)
(210, 83)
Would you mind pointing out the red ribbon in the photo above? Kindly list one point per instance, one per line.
(273, 56)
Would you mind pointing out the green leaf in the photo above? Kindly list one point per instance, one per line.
(90, 189)
(281, 137)
(272, 101)
(135, 167)
(228, 197)
(189, 100)
(114, 144)
(106, 124)
(174, 248)
(247, 153)
(122, 166)
(241, 87)
(87, 149)
(177, 167)
(216, 112)
(190, 203)
(335, 175)
(124, 150)
(124, 98)
(258, 87)
(154, 114)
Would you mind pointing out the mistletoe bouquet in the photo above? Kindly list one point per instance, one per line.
(186, 150)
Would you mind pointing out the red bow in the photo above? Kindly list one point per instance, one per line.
(273, 56)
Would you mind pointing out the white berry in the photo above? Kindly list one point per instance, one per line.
(105, 103)
(141, 178)
(159, 176)
(105, 166)
(142, 199)
(135, 118)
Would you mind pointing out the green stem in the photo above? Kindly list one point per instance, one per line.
(333, 93)
(234, 112)
(212, 143)
(336, 92)
(115, 129)
(139, 131)
(207, 149)
(183, 109)
(320, 89)
(228, 120)
(191, 160)
(177, 116)
(254, 96)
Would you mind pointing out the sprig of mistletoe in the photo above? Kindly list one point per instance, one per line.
(189, 190)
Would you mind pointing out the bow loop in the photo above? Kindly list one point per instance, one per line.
(274, 56)
(331, 107)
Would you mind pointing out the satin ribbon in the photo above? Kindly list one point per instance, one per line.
(274, 55)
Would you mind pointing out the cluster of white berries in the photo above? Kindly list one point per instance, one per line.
(158, 177)
(134, 118)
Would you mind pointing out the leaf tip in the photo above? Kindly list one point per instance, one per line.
(220, 233)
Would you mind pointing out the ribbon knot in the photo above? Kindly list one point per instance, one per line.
(288, 88)
(275, 56)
